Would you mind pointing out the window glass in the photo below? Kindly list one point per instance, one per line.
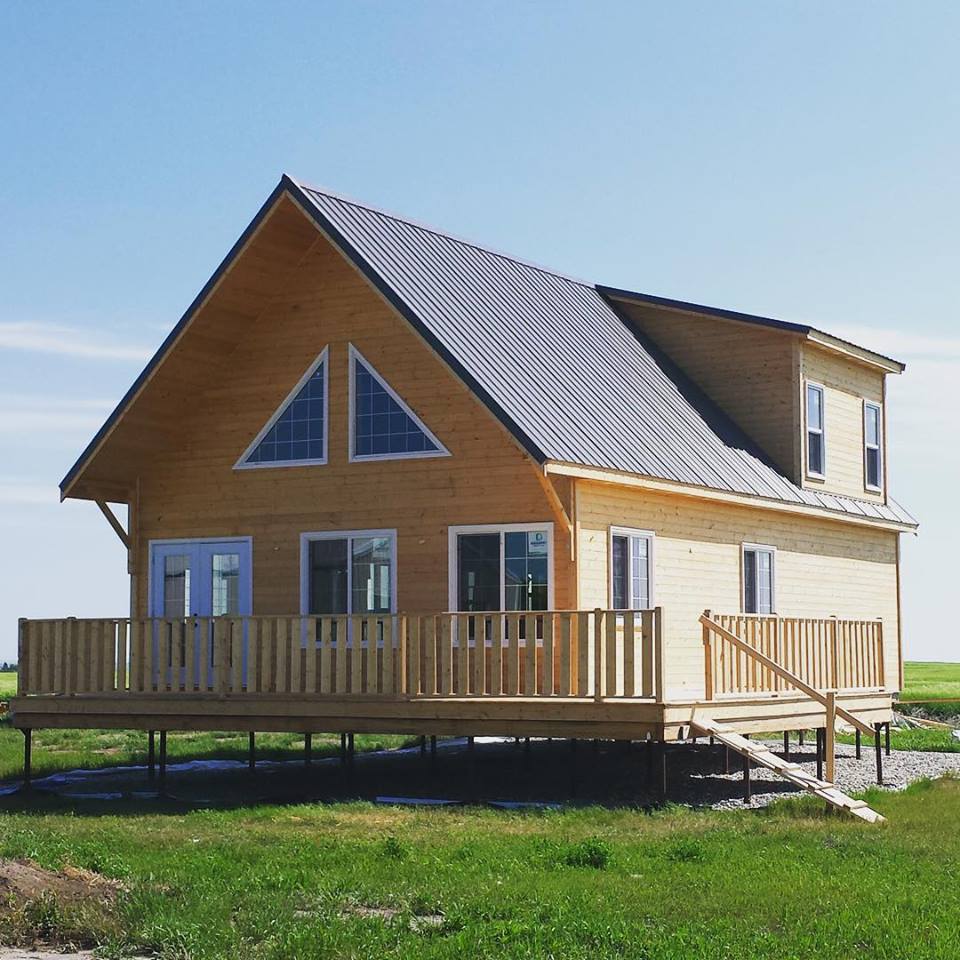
(381, 426)
(815, 441)
(757, 581)
(525, 570)
(640, 572)
(871, 437)
(226, 584)
(176, 587)
(478, 566)
(298, 432)
(328, 576)
(621, 572)
(372, 574)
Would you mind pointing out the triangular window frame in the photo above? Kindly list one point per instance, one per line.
(354, 457)
(321, 361)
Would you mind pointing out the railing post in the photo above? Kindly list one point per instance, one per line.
(831, 735)
(23, 678)
(598, 665)
(658, 653)
(881, 663)
(707, 661)
(834, 654)
(402, 680)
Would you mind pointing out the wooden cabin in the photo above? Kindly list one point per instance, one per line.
(382, 479)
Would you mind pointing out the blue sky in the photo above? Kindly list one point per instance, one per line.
(793, 159)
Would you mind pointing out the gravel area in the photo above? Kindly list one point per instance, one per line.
(900, 769)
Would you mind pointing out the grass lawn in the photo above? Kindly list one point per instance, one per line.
(930, 681)
(8, 684)
(356, 880)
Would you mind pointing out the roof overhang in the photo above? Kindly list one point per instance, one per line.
(810, 334)
(656, 485)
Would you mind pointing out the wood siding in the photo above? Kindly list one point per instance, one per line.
(189, 489)
(749, 372)
(846, 385)
(822, 568)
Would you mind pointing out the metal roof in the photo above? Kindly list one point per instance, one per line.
(555, 363)
(547, 354)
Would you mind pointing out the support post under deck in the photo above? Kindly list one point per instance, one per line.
(27, 757)
(151, 754)
(307, 749)
(879, 752)
(252, 752)
(163, 763)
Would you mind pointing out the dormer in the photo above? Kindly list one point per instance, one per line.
(812, 403)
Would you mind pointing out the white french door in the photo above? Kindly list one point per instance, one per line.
(200, 578)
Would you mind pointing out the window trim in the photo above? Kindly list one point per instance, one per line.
(868, 404)
(321, 360)
(353, 457)
(650, 536)
(502, 528)
(814, 474)
(307, 538)
(767, 548)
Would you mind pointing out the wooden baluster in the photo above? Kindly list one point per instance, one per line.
(646, 653)
(342, 654)
(281, 650)
(881, 655)
(566, 674)
(530, 655)
(295, 644)
(660, 675)
(598, 655)
(479, 655)
(513, 654)
(414, 645)
(428, 633)
(629, 654)
(390, 626)
(496, 655)
(707, 661)
(122, 653)
(583, 654)
(445, 639)
(325, 666)
(611, 628)
(356, 654)
(547, 682)
(462, 686)
(235, 632)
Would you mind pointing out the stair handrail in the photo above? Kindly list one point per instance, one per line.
(821, 697)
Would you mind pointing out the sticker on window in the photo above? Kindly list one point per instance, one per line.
(536, 544)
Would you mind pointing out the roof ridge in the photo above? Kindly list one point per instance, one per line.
(436, 231)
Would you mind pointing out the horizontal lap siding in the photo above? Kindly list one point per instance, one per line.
(823, 568)
(846, 385)
(190, 488)
(750, 373)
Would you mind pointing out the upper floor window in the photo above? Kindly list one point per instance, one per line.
(758, 578)
(872, 440)
(816, 445)
(631, 569)
(382, 426)
(297, 433)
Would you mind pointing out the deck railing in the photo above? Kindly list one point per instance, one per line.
(828, 654)
(596, 654)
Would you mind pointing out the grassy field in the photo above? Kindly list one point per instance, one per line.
(355, 879)
(8, 684)
(359, 880)
(931, 681)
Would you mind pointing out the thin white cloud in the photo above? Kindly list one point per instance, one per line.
(29, 415)
(66, 341)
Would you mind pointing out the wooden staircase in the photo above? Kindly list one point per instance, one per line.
(765, 757)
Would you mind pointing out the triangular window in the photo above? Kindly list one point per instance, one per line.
(383, 427)
(297, 433)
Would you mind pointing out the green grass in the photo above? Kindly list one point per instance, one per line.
(277, 883)
(930, 681)
(8, 684)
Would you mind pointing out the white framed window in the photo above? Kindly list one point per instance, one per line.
(382, 426)
(348, 572)
(505, 566)
(631, 569)
(872, 446)
(759, 563)
(816, 432)
(296, 434)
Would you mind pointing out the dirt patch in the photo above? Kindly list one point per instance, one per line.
(63, 908)
(22, 880)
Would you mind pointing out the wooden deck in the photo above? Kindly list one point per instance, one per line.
(586, 674)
